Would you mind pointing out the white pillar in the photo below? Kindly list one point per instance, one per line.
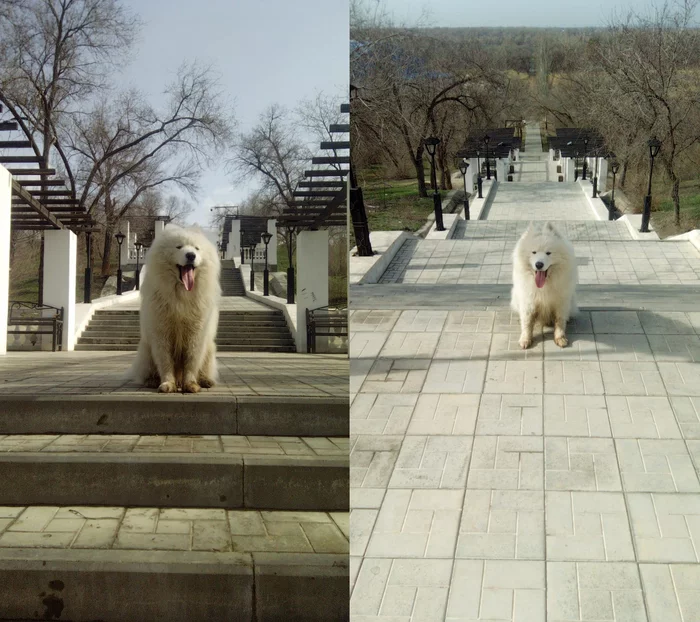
(5, 206)
(60, 262)
(233, 250)
(272, 247)
(311, 278)
(602, 175)
(158, 227)
(569, 169)
(472, 173)
(124, 248)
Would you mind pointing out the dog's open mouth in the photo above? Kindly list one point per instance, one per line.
(540, 277)
(187, 276)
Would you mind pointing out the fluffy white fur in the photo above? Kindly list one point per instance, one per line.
(178, 327)
(549, 252)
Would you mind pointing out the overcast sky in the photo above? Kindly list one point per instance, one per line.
(532, 13)
(267, 51)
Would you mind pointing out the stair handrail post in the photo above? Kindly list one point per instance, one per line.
(266, 237)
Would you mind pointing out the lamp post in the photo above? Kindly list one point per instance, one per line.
(595, 177)
(120, 239)
(251, 251)
(266, 237)
(479, 181)
(463, 166)
(87, 285)
(654, 147)
(487, 140)
(138, 246)
(614, 167)
(585, 157)
(431, 144)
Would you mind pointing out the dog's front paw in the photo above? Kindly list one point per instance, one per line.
(561, 341)
(167, 387)
(190, 387)
(206, 383)
(525, 342)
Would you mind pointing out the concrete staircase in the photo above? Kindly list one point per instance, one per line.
(231, 280)
(251, 330)
(134, 508)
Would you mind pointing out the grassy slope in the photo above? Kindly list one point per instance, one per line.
(396, 206)
(662, 217)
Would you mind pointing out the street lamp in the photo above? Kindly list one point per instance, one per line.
(120, 239)
(585, 157)
(431, 144)
(479, 181)
(463, 166)
(266, 237)
(138, 246)
(487, 140)
(251, 250)
(595, 177)
(87, 285)
(654, 147)
(614, 167)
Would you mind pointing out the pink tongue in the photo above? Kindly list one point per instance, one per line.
(187, 277)
(540, 277)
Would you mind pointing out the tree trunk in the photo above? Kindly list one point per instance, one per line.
(40, 288)
(106, 264)
(623, 176)
(420, 176)
(675, 193)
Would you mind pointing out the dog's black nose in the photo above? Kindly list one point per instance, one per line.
(191, 256)
(539, 265)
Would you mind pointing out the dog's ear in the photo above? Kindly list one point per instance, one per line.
(550, 228)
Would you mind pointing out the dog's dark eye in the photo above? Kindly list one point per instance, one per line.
(534, 252)
(196, 248)
(179, 247)
(548, 253)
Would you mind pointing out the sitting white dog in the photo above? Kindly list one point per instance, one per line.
(179, 313)
(544, 283)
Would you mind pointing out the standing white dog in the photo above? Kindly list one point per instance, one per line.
(544, 283)
(179, 313)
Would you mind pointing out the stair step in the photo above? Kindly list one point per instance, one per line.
(155, 413)
(103, 332)
(111, 347)
(121, 578)
(189, 479)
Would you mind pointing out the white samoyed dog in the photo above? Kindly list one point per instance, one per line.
(179, 313)
(544, 283)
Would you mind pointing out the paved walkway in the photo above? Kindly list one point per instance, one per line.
(495, 484)
(102, 373)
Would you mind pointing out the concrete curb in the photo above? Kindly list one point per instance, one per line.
(152, 413)
(599, 209)
(230, 481)
(634, 223)
(172, 585)
(450, 223)
(479, 207)
(370, 269)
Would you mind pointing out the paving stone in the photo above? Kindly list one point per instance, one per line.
(623, 348)
(655, 465)
(463, 346)
(581, 464)
(675, 348)
(368, 498)
(642, 417)
(396, 376)
(665, 323)
(417, 523)
(506, 463)
(672, 591)
(582, 347)
(390, 589)
(432, 462)
(410, 345)
(497, 590)
(510, 415)
(632, 379)
(372, 460)
(361, 524)
(587, 526)
(593, 591)
(514, 377)
(666, 527)
(616, 322)
(480, 322)
(576, 415)
(681, 378)
(420, 321)
(455, 377)
(444, 414)
(687, 411)
(506, 347)
(572, 377)
(367, 345)
(381, 414)
(372, 320)
(502, 524)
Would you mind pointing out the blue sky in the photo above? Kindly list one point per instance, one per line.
(266, 51)
(532, 13)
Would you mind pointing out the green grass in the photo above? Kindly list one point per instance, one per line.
(396, 206)
(26, 290)
(662, 217)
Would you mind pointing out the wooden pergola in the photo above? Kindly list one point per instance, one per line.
(502, 140)
(40, 199)
(577, 142)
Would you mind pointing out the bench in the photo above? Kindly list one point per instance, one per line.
(36, 320)
(325, 322)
